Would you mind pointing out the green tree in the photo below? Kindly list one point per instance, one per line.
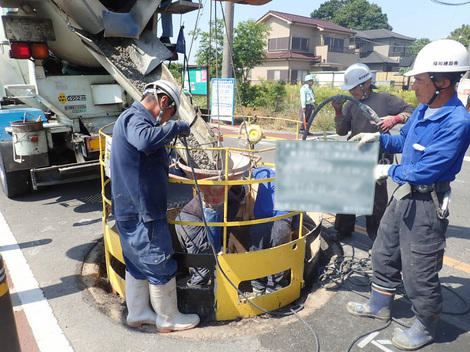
(417, 45)
(248, 51)
(175, 69)
(327, 10)
(461, 34)
(210, 47)
(353, 14)
(249, 47)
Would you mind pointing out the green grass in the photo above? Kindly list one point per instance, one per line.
(287, 106)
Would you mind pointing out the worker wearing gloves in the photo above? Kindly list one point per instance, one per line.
(139, 174)
(307, 102)
(411, 238)
(391, 109)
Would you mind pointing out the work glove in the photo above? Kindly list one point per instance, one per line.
(337, 104)
(388, 122)
(183, 129)
(381, 172)
(364, 138)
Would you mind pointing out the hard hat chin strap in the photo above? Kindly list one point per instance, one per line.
(364, 92)
(436, 93)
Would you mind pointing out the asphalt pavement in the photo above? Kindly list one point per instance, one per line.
(47, 237)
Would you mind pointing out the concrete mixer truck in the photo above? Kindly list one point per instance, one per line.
(68, 68)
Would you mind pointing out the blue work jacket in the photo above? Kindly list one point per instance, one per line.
(139, 165)
(433, 148)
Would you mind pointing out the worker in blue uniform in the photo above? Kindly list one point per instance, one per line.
(411, 239)
(269, 234)
(139, 183)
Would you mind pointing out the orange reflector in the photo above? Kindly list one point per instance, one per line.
(93, 144)
(20, 51)
(39, 50)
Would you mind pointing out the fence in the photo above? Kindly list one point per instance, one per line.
(336, 79)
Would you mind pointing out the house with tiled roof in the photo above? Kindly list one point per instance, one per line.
(383, 50)
(298, 45)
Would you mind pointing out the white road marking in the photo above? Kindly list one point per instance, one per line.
(47, 332)
(367, 339)
(383, 348)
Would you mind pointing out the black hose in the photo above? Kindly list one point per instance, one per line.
(368, 112)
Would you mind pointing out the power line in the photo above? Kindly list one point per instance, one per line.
(450, 3)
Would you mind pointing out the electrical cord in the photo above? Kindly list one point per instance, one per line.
(341, 269)
(292, 311)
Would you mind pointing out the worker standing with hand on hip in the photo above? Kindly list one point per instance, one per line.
(411, 238)
(139, 183)
(307, 102)
(350, 118)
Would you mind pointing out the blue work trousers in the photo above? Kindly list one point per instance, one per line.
(147, 250)
(410, 247)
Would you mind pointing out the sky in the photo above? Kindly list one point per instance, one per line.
(412, 18)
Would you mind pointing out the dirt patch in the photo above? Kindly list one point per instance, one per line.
(114, 306)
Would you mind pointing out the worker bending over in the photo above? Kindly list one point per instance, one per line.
(139, 183)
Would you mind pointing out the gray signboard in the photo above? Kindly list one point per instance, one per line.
(325, 176)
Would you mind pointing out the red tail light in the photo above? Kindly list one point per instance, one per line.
(27, 50)
(20, 51)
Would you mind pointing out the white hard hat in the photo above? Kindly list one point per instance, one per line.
(445, 55)
(166, 87)
(308, 78)
(356, 74)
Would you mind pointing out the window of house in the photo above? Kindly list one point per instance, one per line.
(334, 44)
(278, 44)
(298, 75)
(299, 44)
(277, 75)
(399, 50)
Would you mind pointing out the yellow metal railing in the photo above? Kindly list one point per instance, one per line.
(232, 268)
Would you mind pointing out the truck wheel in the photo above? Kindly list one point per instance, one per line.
(14, 183)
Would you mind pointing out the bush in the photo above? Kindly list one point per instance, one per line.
(279, 99)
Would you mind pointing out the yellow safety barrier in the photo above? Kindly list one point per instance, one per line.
(232, 269)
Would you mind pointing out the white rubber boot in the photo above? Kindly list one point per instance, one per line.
(164, 301)
(138, 302)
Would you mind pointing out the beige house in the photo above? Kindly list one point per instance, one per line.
(298, 45)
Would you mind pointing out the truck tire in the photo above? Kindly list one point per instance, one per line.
(14, 183)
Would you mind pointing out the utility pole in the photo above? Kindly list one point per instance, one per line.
(228, 41)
